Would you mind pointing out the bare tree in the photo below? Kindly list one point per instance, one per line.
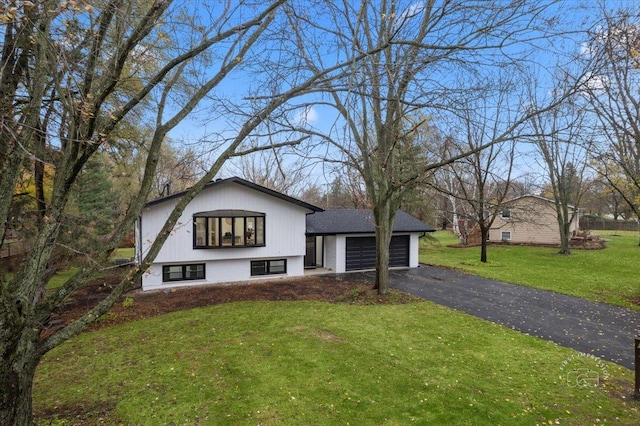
(447, 182)
(178, 169)
(564, 143)
(79, 79)
(482, 179)
(274, 169)
(524, 185)
(615, 101)
(415, 49)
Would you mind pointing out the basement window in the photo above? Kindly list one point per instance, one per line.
(268, 267)
(186, 272)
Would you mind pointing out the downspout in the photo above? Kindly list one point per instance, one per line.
(138, 241)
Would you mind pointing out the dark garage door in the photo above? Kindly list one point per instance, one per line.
(361, 252)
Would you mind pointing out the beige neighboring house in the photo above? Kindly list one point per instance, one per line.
(529, 219)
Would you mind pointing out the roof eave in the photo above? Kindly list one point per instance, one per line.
(247, 184)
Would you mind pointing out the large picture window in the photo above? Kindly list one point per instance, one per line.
(228, 228)
(268, 267)
(194, 271)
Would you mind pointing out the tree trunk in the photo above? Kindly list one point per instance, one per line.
(38, 173)
(16, 383)
(483, 243)
(455, 225)
(382, 263)
(565, 239)
(38, 176)
(384, 226)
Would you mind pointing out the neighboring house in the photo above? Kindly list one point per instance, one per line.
(529, 219)
(344, 240)
(235, 230)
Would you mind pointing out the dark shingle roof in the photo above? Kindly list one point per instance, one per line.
(352, 221)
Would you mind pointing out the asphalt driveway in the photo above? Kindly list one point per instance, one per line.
(593, 328)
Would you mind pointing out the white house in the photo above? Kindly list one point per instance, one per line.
(232, 231)
(235, 230)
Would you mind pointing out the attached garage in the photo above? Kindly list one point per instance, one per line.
(361, 252)
(346, 239)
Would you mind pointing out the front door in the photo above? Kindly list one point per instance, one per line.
(310, 254)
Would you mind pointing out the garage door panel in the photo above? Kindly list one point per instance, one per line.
(399, 251)
(361, 252)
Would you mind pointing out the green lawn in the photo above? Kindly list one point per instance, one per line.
(611, 275)
(126, 252)
(57, 280)
(301, 363)
(61, 277)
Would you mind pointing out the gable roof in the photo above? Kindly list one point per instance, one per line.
(245, 183)
(354, 221)
(537, 197)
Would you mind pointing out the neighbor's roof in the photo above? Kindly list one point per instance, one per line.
(245, 183)
(353, 221)
(537, 197)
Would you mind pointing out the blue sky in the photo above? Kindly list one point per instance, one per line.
(569, 15)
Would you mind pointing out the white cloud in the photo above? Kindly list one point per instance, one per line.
(596, 81)
(307, 116)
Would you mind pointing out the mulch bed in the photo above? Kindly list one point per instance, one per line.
(136, 304)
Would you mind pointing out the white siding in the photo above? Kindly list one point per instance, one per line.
(221, 271)
(341, 253)
(285, 225)
(330, 257)
(414, 250)
(319, 250)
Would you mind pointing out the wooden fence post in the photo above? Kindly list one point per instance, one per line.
(636, 390)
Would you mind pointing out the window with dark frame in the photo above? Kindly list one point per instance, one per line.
(186, 272)
(228, 228)
(268, 267)
(505, 236)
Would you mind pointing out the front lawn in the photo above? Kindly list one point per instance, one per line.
(300, 363)
(610, 275)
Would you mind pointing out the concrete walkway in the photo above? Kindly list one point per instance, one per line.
(593, 328)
